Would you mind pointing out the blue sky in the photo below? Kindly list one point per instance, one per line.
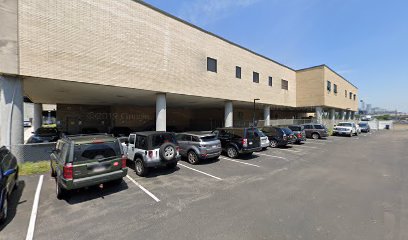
(365, 41)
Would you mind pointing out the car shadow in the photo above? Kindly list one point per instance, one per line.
(154, 172)
(247, 157)
(14, 201)
(206, 161)
(94, 192)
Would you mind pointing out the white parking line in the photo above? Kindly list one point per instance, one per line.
(290, 150)
(144, 189)
(315, 142)
(273, 156)
(306, 146)
(33, 218)
(232, 160)
(199, 171)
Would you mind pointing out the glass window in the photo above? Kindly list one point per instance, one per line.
(328, 86)
(211, 64)
(345, 93)
(255, 77)
(308, 126)
(270, 81)
(238, 72)
(208, 138)
(285, 84)
(317, 126)
(132, 139)
(195, 139)
(351, 95)
(335, 88)
(141, 142)
(96, 151)
(160, 139)
(354, 97)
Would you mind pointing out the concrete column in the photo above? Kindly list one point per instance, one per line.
(342, 115)
(267, 115)
(319, 114)
(353, 115)
(333, 116)
(161, 112)
(348, 113)
(37, 118)
(11, 111)
(228, 114)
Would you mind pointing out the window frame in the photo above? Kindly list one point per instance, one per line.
(255, 77)
(328, 86)
(209, 60)
(270, 81)
(286, 83)
(335, 88)
(238, 72)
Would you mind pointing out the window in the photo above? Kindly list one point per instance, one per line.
(285, 84)
(238, 72)
(255, 77)
(354, 97)
(308, 126)
(328, 86)
(132, 139)
(345, 93)
(270, 81)
(335, 89)
(141, 142)
(211, 64)
(317, 126)
(351, 95)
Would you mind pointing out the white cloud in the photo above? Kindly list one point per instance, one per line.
(203, 12)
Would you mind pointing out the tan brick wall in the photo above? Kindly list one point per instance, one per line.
(124, 43)
(8, 37)
(310, 87)
(339, 100)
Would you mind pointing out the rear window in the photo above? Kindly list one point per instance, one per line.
(345, 124)
(295, 128)
(287, 131)
(208, 138)
(96, 151)
(160, 139)
(362, 124)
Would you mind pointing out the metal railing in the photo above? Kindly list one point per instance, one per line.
(32, 152)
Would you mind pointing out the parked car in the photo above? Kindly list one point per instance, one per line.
(8, 180)
(264, 139)
(196, 146)
(120, 131)
(299, 132)
(45, 134)
(27, 124)
(277, 137)
(364, 127)
(152, 149)
(289, 134)
(345, 128)
(315, 130)
(86, 160)
(236, 141)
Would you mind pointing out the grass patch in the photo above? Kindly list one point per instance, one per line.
(29, 168)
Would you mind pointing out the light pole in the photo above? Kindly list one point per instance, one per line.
(253, 120)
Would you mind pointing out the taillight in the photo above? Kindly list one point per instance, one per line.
(123, 161)
(68, 171)
(299, 135)
(150, 154)
(245, 142)
(177, 148)
(115, 164)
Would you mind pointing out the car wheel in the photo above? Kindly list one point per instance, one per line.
(232, 152)
(140, 168)
(274, 143)
(171, 165)
(60, 192)
(192, 157)
(5, 209)
(315, 136)
(351, 134)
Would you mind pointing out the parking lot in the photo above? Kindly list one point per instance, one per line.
(334, 188)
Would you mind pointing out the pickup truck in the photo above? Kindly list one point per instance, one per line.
(151, 149)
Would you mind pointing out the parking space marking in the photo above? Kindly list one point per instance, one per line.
(33, 218)
(315, 142)
(199, 171)
(144, 189)
(232, 160)
(306, 146)
(290, 150)
(273, 156)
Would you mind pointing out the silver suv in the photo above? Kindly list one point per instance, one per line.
(197, 146)
(152, 149)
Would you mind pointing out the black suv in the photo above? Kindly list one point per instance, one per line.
(8, 180)
(235, 141)
(86, 160)
(152, 149)
(277, 136)
(45, 134)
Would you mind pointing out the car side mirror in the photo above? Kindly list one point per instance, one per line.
(9, 172)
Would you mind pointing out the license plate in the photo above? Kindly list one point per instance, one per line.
(99, 169)
(250, 143)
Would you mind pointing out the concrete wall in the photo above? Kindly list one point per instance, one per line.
(125, 43)
(8, 37)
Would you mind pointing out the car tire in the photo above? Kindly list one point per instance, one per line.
(232, 152)
(351, 134)
(192, 157)
(140, 169)
(315, 136)
(60, 191)
(168, 152)
(273, 144)
(5, 209)
(171, 165)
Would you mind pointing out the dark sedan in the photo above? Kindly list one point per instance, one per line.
(45, 134)
(364, 127)
(8, 179)
(277, 137)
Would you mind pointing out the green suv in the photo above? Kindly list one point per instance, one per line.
(86, 160)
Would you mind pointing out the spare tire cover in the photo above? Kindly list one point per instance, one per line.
(168, 151)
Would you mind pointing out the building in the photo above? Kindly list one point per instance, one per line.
(125, 63)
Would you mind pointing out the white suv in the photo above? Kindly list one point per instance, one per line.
(152, 149)
(346, 128)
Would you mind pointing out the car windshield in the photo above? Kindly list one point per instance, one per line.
(362, 124)
(208, 138)
(46, 131)
(96, 151)
(160, 139)
(345, 125)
